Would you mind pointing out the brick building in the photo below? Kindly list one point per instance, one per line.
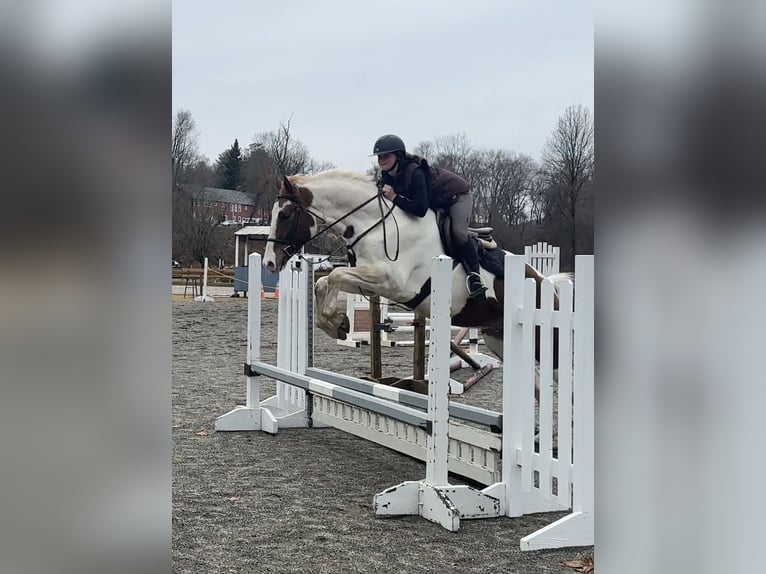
(226, 205)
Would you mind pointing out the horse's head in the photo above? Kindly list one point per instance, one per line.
(292, 223)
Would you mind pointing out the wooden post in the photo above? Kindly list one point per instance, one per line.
(458, 350)
(419, 349)
(375, 362)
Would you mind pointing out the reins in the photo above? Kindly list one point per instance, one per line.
(293, 248)
(382, 221)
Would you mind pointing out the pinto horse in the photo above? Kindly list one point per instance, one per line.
(392, 251)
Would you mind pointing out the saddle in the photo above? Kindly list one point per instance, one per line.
(491, 257)
(482, 235)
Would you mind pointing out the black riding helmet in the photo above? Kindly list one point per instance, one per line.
(389, 143)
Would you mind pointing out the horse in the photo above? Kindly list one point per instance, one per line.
(391, 250)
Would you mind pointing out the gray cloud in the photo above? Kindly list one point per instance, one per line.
(500, 72)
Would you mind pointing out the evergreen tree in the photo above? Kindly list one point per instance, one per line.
(229, 168)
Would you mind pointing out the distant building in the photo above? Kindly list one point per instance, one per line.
(228, 206)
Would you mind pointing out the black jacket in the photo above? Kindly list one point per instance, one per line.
(418, 183)
(411, 185)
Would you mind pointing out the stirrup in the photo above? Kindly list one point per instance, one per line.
(479, 291)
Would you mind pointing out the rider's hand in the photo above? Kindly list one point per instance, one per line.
(388, 192)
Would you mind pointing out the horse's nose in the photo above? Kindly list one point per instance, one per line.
(270, 265)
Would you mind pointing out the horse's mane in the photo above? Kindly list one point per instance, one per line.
(335, 173)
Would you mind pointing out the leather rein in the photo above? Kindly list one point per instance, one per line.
(293, 246)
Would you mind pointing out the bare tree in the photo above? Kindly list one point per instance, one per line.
(289, 155)
(259, 172)
(185, 144)
(539, 204)
(193, 234)
(272, 155)
(200, 172)
(568, 161)
(452, 152)
(502, 181)
(425, 149)
(194, 227)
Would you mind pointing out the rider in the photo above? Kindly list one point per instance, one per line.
(414, 186)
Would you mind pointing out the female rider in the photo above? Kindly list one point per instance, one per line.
(414, 186)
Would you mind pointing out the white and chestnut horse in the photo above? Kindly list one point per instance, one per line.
(391, 248)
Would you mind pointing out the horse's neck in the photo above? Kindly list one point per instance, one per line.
(339, 207)
(416, 239)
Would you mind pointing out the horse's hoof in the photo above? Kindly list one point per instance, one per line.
(344, 328)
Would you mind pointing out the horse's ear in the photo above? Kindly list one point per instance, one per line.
(287, 185)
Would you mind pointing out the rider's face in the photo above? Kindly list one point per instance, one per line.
(386, 161)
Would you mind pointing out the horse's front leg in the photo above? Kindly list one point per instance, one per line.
(329, 317)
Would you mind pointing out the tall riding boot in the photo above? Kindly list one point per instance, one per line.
(470, 260)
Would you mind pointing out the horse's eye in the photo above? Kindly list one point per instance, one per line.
(283, 216)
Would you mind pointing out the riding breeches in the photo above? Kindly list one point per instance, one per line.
(460, 213)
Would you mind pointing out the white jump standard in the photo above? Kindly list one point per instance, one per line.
(434, 498)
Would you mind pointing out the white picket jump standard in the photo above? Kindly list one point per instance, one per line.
(543, 257)
(518, 492)
(576, 528)
(434, 498)
(204, 298)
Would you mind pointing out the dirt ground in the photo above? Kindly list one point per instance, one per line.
(301, 501)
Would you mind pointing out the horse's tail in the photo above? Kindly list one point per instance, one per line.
(557, 278)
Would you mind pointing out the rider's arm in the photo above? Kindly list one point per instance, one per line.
(417, 202)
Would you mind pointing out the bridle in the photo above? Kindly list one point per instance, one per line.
(293, 246)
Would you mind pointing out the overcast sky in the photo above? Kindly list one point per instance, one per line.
(347, 71)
